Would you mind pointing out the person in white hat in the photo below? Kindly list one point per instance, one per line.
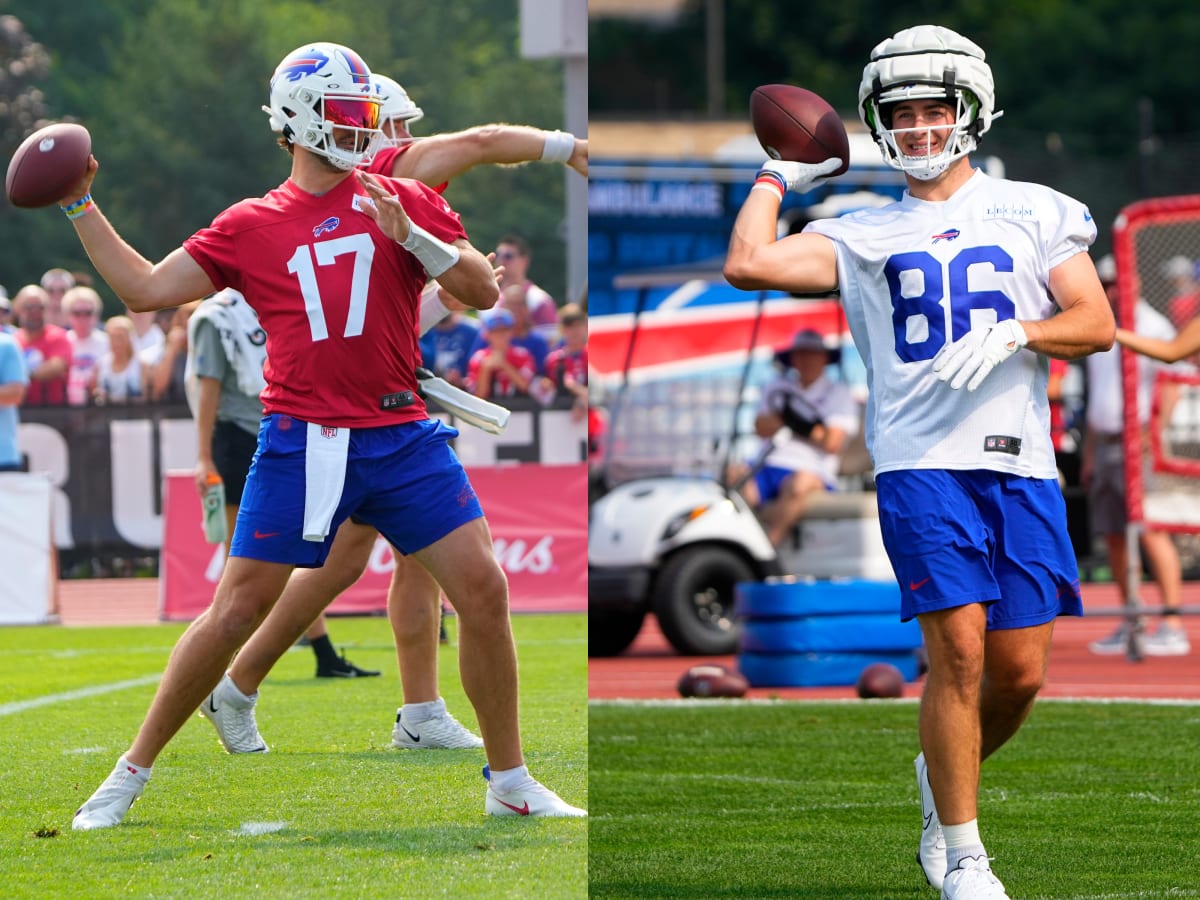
(819, 415)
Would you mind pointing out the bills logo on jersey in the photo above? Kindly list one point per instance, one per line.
(329, 431)
(948, 235)
(328, 225)
(304, 62)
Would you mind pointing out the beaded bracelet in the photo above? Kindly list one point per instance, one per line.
(80, 207)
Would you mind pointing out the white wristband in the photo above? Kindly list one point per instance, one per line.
(432, 310)
(558, 147)
(436, 256)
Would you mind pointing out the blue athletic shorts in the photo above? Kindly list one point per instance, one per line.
(770, 479)
(959, 537)
(404, 480)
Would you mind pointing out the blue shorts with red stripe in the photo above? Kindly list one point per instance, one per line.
(405, 480)
(959, 537)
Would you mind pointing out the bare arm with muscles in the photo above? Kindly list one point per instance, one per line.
(141, 284)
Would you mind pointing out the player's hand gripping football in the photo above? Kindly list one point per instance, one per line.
(969, 359)
(797, 175)
(388, 213)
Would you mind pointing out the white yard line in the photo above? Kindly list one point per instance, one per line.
(7, 709)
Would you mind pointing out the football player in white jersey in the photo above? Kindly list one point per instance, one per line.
(955, 296)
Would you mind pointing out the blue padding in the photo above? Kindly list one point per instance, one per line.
(786, 599)
(830, 634)
(817, 669)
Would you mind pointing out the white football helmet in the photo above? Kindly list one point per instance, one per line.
(396, 102)
(922, 63)
(321, 87)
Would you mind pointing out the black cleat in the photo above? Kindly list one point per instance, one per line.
(343, 668)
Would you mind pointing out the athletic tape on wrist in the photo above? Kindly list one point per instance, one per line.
(436, 256)
(558, 147)
(432, 311)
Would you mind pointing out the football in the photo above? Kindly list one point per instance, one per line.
(712, 680)
(795, 124)
(47, 164)
(880, 680)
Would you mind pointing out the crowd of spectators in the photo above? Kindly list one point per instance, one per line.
(528, 345)
(74, 356)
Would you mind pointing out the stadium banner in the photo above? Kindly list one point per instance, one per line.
(537, 514)
(106, 464)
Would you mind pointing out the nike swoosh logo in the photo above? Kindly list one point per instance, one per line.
(912, 585)
(928, 818)
(212, 706)
(522, 810)
(413, 737)
(265, 534)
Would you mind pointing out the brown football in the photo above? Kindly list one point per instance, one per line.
(47, 165)
(795, 124)
(880, 680)
(712, 680)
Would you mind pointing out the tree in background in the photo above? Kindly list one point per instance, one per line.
(171, 92)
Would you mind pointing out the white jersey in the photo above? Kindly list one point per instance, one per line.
(829, 401)
(917, 275)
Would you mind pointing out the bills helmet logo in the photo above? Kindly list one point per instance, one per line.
(948, 235)
(328, 225)
(304, 62)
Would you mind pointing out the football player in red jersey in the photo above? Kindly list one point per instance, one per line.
(333, 261)
(414, 597)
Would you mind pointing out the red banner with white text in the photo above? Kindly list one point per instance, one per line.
(537, 514)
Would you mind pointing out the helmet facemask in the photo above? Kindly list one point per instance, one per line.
(957, 139)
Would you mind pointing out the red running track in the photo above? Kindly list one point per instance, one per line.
(650, 668)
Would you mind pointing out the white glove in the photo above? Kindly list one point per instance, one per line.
(977, 352)
(797, 175)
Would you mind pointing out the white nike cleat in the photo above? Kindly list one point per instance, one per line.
(107, 807)
(232, 714)
(973, 880)
(532, 799)
(931, 853)
(442, 732)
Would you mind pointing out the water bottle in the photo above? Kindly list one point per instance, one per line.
(214, 510)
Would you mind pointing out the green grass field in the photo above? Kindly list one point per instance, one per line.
(819, 800)
(355, 818)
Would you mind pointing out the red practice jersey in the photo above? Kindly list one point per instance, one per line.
(336, 296)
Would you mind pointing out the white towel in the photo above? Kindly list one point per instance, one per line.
(325, 452)
(242, 337)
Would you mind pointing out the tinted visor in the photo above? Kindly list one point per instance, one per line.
(352, 113)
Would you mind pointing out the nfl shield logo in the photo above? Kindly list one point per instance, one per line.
(328, 431)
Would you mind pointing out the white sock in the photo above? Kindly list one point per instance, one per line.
(125, 765)
(416, 713)
(962, 841)
(508, 779)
